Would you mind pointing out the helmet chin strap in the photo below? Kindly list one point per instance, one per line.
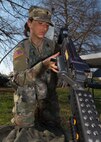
(6, 54)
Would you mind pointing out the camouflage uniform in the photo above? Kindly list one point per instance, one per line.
(36, 85)
(36, 109)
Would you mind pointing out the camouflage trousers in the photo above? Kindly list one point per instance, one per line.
(33, 135)
(48, 120)
(46, 127)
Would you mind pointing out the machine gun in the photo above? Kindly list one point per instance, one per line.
(85, 123)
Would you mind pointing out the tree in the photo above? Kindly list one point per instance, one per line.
(12, 19)
(82, 18)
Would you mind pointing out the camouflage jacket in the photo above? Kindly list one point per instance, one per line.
(27, 60)
(33, 81)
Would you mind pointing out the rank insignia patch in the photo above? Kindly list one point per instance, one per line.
(17, 53)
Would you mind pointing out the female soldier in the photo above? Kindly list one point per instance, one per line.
(36, 108)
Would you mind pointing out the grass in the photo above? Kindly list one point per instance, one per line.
(64, 103)
(6, 104)
(98, 101)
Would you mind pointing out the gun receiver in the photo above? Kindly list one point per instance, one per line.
(85, 123)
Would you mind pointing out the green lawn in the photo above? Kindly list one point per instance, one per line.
(6, 104)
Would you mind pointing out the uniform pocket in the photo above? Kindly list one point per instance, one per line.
(25, 106)
(41, 89)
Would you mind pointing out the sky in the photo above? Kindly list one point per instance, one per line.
(99, 5)
(6, 66)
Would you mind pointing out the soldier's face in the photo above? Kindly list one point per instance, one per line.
(38, 28)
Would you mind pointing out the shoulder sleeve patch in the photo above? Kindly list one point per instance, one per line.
(17, 53)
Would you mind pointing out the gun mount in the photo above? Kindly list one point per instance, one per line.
(85, 123)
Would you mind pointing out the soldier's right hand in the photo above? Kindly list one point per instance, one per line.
(50, 64)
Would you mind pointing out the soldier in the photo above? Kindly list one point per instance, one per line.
(36, 108)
